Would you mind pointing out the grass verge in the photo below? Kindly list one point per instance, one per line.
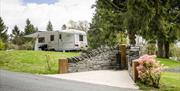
(32, 61)
(169, 63)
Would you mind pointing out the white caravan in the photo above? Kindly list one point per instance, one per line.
(62, 40)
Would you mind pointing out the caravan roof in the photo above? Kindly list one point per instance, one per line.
(73, 31)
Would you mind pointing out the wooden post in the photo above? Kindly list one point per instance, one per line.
(134, 70)
(123, 56)
(63, 66)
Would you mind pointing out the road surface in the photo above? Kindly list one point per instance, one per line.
(14, 81)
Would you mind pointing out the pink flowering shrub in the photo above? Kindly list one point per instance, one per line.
(149, 70)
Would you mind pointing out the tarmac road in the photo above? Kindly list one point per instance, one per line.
(15, 81)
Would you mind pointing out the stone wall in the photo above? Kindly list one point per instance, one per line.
(98, 59)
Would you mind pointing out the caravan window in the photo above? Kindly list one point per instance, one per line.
(80, 37)
(41, 40)
(52, 37)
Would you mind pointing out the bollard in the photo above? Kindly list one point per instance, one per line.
(134, 70)
(123, 56)
(63, 66)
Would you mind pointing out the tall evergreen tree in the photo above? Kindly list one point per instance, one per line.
(3, 31)
(49, 26)
(107, 22)
(29, 28)
(17, 36)
(155, 20)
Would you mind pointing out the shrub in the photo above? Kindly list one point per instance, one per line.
(151, 48)
(149, 70)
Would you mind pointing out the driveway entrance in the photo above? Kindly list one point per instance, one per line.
(103, 77)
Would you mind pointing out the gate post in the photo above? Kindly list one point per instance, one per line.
(63, 66)
(123, 56)
(134, 70)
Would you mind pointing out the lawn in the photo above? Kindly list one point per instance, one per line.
(170, 81)
(169, 63)
(32, 61)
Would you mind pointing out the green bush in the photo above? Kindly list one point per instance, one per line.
(27, 46)
(175, 51)
(151, 49)
(2, 45)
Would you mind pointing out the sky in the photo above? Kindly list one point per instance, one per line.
(59, 12)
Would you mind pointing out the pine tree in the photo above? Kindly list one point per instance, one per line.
(155, 20)
(17, 36)
(3, 31)
(49, 26)
(107, 22)
(29, 28)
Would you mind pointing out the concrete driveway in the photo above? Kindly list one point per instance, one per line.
(103, 77)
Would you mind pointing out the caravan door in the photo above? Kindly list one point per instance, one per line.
(68, 41)
(60, 42)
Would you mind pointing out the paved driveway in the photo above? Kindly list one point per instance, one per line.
(103, 77)
(15, 81)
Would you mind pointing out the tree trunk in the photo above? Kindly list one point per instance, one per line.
(160, 52)
(132, 38)
(166, 47)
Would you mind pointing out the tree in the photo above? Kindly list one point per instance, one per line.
(107, 22)
(63, 27)
(72, 24)
(49, 26)
(29, 28)
(17, 36)
(3, 33)
(83, 26)
(80, 25)
(155, 20)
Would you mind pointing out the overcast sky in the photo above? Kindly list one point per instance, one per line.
(59, 12)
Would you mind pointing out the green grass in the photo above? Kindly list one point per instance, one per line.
(169, 63)
(169, 81)
(32, 61)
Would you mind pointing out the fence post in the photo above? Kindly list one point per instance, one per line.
(123, 56)
(63, 66)
(134, 70)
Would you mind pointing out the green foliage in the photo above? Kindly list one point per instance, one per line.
(29, 28)
(49, 26)
(17, 36)
(106, 23)
(149, 70)
(151, 48)
(3, 33)
(32, 61)
(155, 20)
(175, 51)
(1, 45)
(169, 80)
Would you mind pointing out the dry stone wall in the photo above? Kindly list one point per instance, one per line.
(101, 58)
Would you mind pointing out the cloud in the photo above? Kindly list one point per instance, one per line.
(15, 12)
